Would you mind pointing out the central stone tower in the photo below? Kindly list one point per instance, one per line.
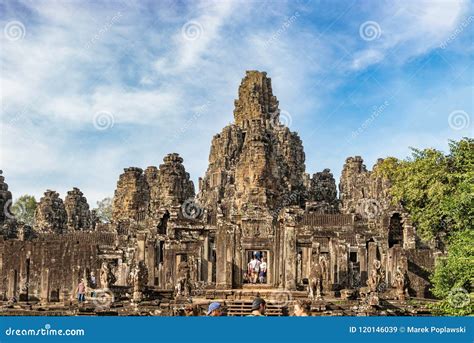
(256, 164)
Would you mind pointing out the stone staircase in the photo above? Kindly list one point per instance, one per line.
(239, 308)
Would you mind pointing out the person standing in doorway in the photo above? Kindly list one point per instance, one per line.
(263, 271)
(254, 267)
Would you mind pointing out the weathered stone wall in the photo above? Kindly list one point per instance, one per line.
(78, 213)
(5, 198)
(145, 196)
(362, 191)
(322, 193)
(256, 162)
(50, 214)
(131, 196)
(51, 266)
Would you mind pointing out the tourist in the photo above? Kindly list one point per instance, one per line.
(93, 284)
(246, 277)
(258, 307)
(254, 268)
(81, 291)
(214, 310)
(302, 308)
(263, 271)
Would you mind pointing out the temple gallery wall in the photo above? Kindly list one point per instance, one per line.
(255, 202)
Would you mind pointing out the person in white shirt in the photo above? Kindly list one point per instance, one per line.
(254, 266)
(263, 271)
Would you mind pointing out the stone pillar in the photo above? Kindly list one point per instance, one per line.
(12, 284)
(44, 288)
(343, 260)
(223, 259)
(237, 259)
(371, 256)
(363, 265)
(290, 257)
(205, 258)
(333, 268)
(141, 238)
(151, 261)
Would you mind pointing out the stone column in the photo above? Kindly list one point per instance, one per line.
(44, 288)
(223, 255)
(290, 257)
(12, 284)
(205, 257)
(371, 256)
(363, 265)
(151, 261)
(141, 238)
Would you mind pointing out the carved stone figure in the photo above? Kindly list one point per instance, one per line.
(315, 282)
(375, 277)
(139, 279)
(107, 277)
(183, 281)
(400, 284)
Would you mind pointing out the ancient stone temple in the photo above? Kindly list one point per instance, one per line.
(256, 204)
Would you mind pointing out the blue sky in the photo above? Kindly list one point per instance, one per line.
(91, 87)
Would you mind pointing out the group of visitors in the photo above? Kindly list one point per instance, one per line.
(257, 269)
(302, 308)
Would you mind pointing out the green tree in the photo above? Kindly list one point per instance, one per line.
(24, 209)
(436, 189)
(438, 192)
(453, 277)
(104, 210)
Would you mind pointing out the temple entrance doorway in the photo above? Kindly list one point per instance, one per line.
(257, 268)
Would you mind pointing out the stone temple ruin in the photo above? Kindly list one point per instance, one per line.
(167, 246)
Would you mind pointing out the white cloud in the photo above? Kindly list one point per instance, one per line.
(409, 29)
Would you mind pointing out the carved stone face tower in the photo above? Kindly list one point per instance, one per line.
(256, 163)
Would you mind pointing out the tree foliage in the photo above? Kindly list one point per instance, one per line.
(104, 210)
(438, 192)
(436, 189)
(24, 209)
(453, 277)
